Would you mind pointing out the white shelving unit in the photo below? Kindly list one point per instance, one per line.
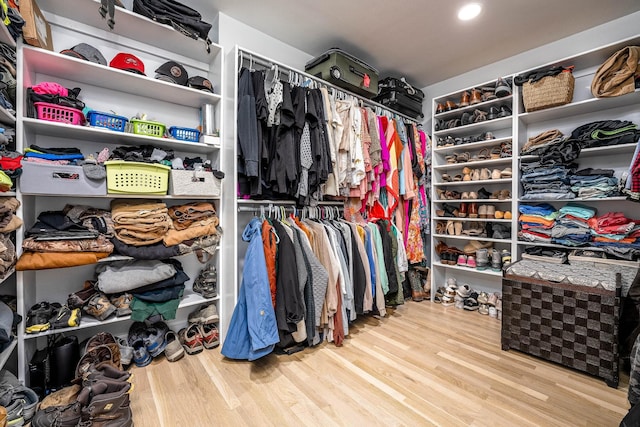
(583, 109)
(451, 141)
(126, 94)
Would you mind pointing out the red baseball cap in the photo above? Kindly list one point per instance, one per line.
(128, 62)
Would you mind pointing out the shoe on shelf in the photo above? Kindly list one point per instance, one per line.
(81, 298)
(121, 302)
(465, 99)
(440, 109)
(471, 304)
(210, 335)
(206, 284)
(482, 259)
(191, 339)
(496, 260)
(508, 215)
(38, 318)
(493, 113)
(174, 350)
(65, 317)
(471, 261)
(483, 194)
(99, 306)
(205, 314)
(466, 119)
(462, 260)
(450, 105)
(502, 88)
(504, 111)
(506, 257)
(476, 96)
(464, 290)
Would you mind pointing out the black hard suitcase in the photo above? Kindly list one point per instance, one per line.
(346, 71)
(400, 96)
(390, 84)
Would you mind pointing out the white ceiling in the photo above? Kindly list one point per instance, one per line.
(421, 39)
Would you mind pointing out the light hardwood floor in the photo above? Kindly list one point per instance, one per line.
(423, 365)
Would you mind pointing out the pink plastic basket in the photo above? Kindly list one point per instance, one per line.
(59, 113)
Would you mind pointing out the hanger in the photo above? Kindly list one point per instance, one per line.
(241, 61)
(276, 73)
(262, 217)
(251, 63)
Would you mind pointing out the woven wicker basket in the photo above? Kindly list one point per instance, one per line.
(550, 91)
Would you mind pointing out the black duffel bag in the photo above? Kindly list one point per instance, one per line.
(184, 19)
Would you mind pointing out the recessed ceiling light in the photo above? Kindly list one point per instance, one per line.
(469, 11)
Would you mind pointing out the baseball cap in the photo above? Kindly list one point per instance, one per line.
(128, 62)
(172, 72)
(199, 82)
(86, 52)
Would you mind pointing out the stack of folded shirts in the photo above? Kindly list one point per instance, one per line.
(606, 132)
(613, 228)
(546, 182)
(536, 222)
(552, 255)
(156, 286)
(571, 227)
(57, 240)
(541, 141)
(594, 183)
(57, 156)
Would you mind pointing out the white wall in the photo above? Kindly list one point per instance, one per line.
(610, 32)
(232, 32)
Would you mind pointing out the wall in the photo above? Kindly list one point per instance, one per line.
(232, 32)
(601, 35)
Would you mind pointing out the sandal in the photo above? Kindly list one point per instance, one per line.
(462, 157)
(506, 173)
(479, 116)
(458, 177)
(495, 152)
(451, 158)
(446, 177)
(206, 284)
(483, 154)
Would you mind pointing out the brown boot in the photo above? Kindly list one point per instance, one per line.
(108, 406)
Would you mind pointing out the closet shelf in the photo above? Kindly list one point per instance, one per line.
(132, 26)
(6, 117)
(189, 299)
(85, 133)
(486, 126)
(581, 107)
(593, 152)
(8, 194)
(473, 200)
(471, 145)
(577, 199)
(554, 245)
(445, 218)
(488, 162)
(482, 239)
(252, 202)
(126, 196)
(470, 270)
(6, 354)
(506, 100)
(481, 181)
(66, 67)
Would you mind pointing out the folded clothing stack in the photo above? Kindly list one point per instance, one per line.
(544, 182)
(140, 222)
(594, 183)
(77, 235)
(536, 222)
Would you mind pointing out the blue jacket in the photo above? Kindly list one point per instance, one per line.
(253, 331)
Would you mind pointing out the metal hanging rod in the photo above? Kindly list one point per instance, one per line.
(255, 58)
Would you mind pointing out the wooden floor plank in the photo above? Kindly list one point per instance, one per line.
(422, 365)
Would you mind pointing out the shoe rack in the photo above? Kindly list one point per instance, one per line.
(105, 88)
(584, 108)
(473, 183)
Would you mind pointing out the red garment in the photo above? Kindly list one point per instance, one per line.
(338, 326)
(270, 254)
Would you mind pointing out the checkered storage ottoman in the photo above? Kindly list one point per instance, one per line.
(575, 326)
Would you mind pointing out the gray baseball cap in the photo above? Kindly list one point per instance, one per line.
(86, 52)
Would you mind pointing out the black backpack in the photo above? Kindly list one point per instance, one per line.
(183, 18)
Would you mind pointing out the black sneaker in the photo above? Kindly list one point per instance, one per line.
(38, 318)
(65, 317)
